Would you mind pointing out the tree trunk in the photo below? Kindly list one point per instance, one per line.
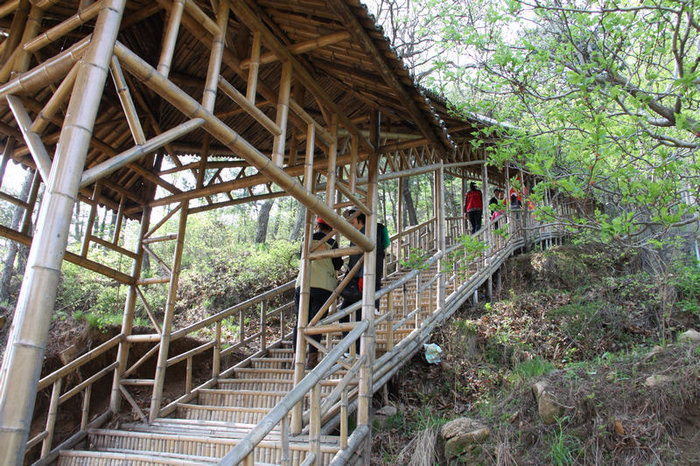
(9, 262)
(408, 203)
(263, 221)
(78, 225)
(295, 235)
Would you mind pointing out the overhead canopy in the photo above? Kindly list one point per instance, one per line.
(343, 69)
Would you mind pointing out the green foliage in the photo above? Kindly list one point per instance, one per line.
(416, 260)
(564, 447)
(686, 280)
(530, 369)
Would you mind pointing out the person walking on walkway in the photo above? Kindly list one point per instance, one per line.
(323, 281)
(474, 207)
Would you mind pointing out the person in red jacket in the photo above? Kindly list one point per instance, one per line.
(474, 207)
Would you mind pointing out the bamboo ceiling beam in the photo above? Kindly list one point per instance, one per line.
(36, 147)
(171, 31)
(361, 35)
(249, 107)
(8, 8)
(59, 97)
(132, 117)
(135, 153)
(243, 11)
(301, 48)
(49, 71)
(253, 67)
(191, 108)
(61, 29)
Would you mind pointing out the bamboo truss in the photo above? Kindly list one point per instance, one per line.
(251, 101)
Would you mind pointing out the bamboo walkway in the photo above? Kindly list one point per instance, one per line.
(247, 416)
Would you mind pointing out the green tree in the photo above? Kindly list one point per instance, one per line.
(600, 101)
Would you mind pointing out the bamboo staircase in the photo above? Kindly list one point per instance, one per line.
(201, 433)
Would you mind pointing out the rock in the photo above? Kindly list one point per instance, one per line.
(387, 411)
(656, 380)
(458, 435)
(381, 417)
(654, 351)
(691, 335)
(547, 406)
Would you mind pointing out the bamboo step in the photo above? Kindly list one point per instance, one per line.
(249, 398)
(258, 373)
(267, 385)
(272, 363)
(188, 446)
(115, 458)
(244, 415)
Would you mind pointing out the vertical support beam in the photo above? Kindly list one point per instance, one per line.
(305, 272)
(282, 113)
(128, 317)
(27, 341)
(252, 87)
(91, 220)
(367, 346)
(354, 155)
(161, 367)
(332, 155)
(217, 52)
(171, 32)
(440, 231)
(6, 154)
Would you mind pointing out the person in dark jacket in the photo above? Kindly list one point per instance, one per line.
(358, 221)
(323, 281)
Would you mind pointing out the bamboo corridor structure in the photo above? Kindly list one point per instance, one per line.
(111, 104)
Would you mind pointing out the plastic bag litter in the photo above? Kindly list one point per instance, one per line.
(432, 353)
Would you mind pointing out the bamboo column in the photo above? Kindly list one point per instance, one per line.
(368, 341)
(441, 240)
(27, 340)
(282, 114)
(162, 364)
(128, 318)
(304, 271)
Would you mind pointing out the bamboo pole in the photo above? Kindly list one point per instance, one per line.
(254, 63)
(440, 232)
(19, 19)
(62, 93)
(128, 315)
(305, 273)
(315, 423)
(51, 417)
(137, 152)
(26, 343)
(170, 39)
(215, 56)
(49, 71)
(34, 144)
(61, 29)
(249, 107)
(162, 364)
(132, 116)
(91, 220)
(216, 128)
(282, 114)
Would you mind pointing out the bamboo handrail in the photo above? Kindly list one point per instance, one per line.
(247, 444)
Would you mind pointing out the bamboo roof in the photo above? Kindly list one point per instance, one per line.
(342, 64)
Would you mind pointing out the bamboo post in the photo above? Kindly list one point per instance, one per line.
(216, 357)
(344, 419)
(282, 114)
(440, 233)
(51, 417)
(285, 441)
(188, 376)
(161, 366)
(315, 423)
(304, 271)
(14, 36)
(215, 56)
(91, 220)
(368, 341)
(171, 32)
(252, 87)
(27, 340)
(85, 418)
(263, 324)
